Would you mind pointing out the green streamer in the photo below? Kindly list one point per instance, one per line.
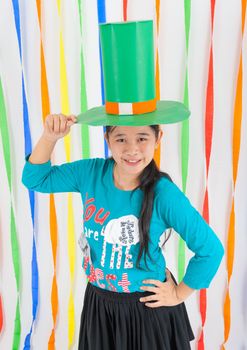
(5, 135)
(84, 128)
(187, 11)
(83, 98)
(15, 249)
(17, 328)
(14, 241)
(184, 139)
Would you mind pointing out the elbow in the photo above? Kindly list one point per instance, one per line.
(220, 252)
(218, 249)
(26, 184)
(24, 180)
(27, 181)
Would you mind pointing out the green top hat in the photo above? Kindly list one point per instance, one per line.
(129, 80)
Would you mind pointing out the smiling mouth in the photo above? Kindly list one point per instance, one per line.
(132, 162)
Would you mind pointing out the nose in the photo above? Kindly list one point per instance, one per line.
(132, 148)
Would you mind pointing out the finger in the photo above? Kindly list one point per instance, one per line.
(63, 124)
(69, 124)
(155, 282)
(149, 298)
(49, 123)
(150, 289)
(56, 124)
(153, 305)
(72, 118)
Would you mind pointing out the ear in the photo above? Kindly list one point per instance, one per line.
(107, 141)
(159, 138)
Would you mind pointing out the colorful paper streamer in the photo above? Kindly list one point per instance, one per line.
(157, 77)
(1, 314)
(208, 131)
(52, 210)
(83, 94)
(236, 139)
(102, 19)
(28, 150)
(65, 108)
(13, 233)
(184, 139)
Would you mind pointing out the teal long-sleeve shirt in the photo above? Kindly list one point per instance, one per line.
(110, 235)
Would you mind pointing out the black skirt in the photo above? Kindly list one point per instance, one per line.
(119, 321)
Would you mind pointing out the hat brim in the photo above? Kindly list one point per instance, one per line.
(167, 112)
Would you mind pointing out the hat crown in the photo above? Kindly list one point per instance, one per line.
(129, 79)
(128, 61)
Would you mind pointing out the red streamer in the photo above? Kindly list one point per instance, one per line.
(209, 117)
(1, 314)
(125, 5)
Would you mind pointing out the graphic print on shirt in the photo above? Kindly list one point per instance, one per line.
(121, 232)
(113, 241)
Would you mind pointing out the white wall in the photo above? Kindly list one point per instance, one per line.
(226, 44)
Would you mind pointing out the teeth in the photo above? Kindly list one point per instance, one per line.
(132, 161)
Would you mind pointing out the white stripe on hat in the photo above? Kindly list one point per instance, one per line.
(125, 108)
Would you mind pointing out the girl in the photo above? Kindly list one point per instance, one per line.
(131, 301)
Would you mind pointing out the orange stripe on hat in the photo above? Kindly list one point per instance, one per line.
(137, 107)
(112, 107)
(144, 107)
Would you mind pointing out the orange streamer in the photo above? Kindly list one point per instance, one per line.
(237, 122)
(53, 218)
(157, 151)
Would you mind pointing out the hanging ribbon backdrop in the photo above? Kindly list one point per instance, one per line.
(65, 108)
(184, 139)
(52, 210)
(236, 138)
(101, 17)
(208, 132)
(14, 240)
(16, 258)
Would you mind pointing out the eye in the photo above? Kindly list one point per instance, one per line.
(142, 139)
(120, 140)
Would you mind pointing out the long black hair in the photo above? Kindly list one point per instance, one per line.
(147, 180)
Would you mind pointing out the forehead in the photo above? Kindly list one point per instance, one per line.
(132, 130)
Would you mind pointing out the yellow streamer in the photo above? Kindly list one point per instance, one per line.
(71, 230)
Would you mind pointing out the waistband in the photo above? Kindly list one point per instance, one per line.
(117, 296)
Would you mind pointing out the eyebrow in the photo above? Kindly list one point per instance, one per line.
(139, 133)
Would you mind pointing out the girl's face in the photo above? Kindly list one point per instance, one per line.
(132, 147)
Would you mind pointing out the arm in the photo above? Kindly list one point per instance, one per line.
(55, 127)
(183, 291)
(179, 214)
(38, 173)
(166, 293)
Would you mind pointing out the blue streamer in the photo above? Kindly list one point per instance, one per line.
(101, 11)
(102, 19)
(28, 149)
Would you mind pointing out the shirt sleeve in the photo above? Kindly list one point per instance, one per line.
(46, 178)
(179, 214)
